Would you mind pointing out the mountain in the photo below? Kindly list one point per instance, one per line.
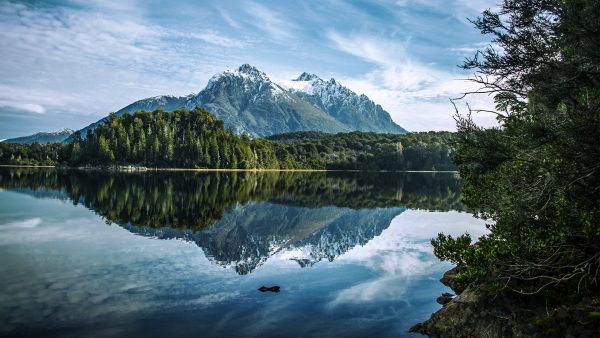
(249, 102)
(357, 112)
(42, 137)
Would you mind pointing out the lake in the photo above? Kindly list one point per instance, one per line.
(155, 254)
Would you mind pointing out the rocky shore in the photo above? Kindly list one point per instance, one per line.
(112, 167)
(476, 313)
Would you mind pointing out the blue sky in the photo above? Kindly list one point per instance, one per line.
(69, 63)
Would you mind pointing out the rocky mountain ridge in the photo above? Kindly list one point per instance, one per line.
(356, 111)
(249, 102)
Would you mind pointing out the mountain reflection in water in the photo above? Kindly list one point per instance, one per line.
(240, 219)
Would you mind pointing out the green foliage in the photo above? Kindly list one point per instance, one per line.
(370, 151)
(451, 249)
(459, 251)
(182, 138)
(24, 154)
(536, 177)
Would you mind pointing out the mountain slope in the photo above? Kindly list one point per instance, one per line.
(165, 102)
(42, 137)
(249, 102)
(357, 112)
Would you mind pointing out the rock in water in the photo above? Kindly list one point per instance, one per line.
(445, 298)
(269, 289)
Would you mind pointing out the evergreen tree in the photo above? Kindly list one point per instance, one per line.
(535, 177)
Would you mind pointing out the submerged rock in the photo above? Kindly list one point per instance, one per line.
(274, 288)
(445, 298)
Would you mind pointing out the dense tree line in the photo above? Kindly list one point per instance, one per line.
(188, 139)
(370, 151)
(34, 154)
(537, 176)
(197, 139)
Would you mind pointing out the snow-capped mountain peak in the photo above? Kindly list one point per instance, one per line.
(250, 70)
(247, 73)
(307, 77)
(306, 83)
(311, 84)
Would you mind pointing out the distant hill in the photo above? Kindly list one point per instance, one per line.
(42, 137)
(249, 102)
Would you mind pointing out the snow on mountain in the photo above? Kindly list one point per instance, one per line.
(356, 111)
(327, 91)
(304, 83)
(245, 71)
(252, 81)
(43, 137)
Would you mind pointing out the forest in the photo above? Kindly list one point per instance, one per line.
(370, 151)
(197, 139)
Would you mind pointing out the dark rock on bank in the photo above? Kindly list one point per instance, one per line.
(472, 314)
(476, 313)
(449, 279)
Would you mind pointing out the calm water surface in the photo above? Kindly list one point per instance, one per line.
(92, 254)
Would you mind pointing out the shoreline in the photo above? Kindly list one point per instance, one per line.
(125, 168)
(475, 312)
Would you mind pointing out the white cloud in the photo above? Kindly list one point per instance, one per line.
(369, 48)
(30, 107)
(21, 98)
(416, 95)
(211, 299)
(377, 290)
(95, 61)
(215, 38)
(460, 9)
(110, 5)
(270, 22)
(470, 49)
(232, 22)
(25, 224)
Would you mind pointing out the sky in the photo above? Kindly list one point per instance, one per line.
(66, 64)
